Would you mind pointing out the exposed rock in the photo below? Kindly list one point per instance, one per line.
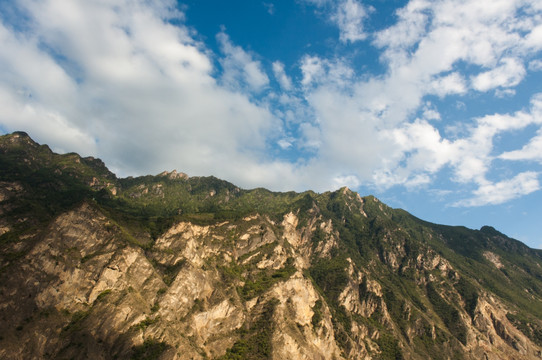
(494, 259)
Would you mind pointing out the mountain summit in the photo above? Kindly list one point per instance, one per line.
(178, 267)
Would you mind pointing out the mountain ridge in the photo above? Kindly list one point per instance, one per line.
(199, 268)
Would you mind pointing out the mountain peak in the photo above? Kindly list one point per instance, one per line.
(174, 175)
(17, 138)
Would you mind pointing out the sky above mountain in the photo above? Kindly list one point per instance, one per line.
(432, 106)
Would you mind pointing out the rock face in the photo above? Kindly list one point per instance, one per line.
(103, 269)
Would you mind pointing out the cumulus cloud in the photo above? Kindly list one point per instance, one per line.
(425, 52)
(318, 71)
(285, 143)
(430, 112)
(497, 193)
(535, 65)
(409, 29)
(531, 151)
(283, 79)
(347, 15)
(349, 18)
(424, 152)
(508, 74)
(448, 85)
(533, 41)
(348, 180)
(240, 69)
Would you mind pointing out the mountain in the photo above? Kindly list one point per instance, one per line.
(176, 267)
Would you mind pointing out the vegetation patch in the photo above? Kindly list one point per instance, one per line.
(448, 314)
(318, 236)
(151, 349)
(331, 278)
(530, 328)
(9, 237)
(262, 281)
(389, 347)
(396, 309)
(233, 271)
(168, 272)
(143, 324)
(102, 295)
(256, 342)
(77, 319)
(469, 294)
(317, 313)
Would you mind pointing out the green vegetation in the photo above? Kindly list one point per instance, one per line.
(256, 342)
(396, 308)
(151, 349)
(169, 272)
(317, 316)
(389, 347)
(469, 294)
(231, 272)
(263, 280)
(448, 313)
(143, 324)
(102, 295)
(330, 277)
(527, 325)
(76, 320)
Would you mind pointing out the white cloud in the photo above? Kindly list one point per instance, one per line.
(409, 29)
(430, 112)
(318, 3)
(422, 149)
(347, 15)
(311, 136)
(504, 93)
(497, 193)
(312, 69)
(285, 143)
(425, 52)
(240, 69)
(533, 40)
(18, 113)
(474, 154)
(349, 18)
(508, 74)
(317, 71)
(535, 65)
(448, 85)
(283, 79)
(270, 7)
(350, 181)
(530, 151)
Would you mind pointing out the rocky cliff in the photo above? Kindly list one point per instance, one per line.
(173, 267)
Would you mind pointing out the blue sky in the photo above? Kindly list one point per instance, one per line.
(432, 106)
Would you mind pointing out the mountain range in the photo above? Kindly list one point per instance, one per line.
(93, 266)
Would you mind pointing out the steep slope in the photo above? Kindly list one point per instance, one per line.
(174, 267)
